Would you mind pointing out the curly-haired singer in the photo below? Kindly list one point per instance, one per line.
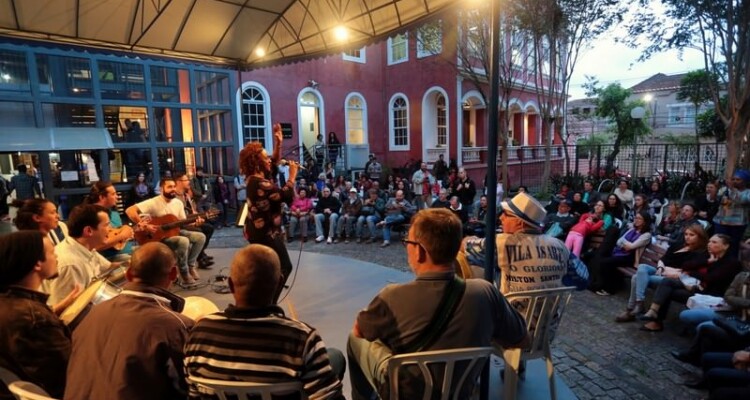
(265, 198)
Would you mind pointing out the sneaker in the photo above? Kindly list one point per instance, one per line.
(603, 293)
(346, 240)
(329, 241)
(385, 243)
(359, 240)
(335, 240)
(319, 239)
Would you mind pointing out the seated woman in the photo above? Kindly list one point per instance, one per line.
(614, 207)
(603, 268)
(669, 223)
(624, 193)
(300, 212)
(709, 336)
(588, 224)
(691, 254)
(577, 206)
(712, 279)
(39, 215)
(656, 197)
(639, 206)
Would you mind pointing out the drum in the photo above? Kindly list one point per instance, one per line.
(98, 292)
(198, 307)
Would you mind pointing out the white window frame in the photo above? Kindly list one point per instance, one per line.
(682, 111)
(390, 44)
(266, 111)
(421, 52)
(349, 97)
(362, 59)
(392, 146)
(444, 127)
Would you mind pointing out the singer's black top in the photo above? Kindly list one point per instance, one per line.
(264, 200)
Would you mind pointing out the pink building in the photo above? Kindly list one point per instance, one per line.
(395, 99)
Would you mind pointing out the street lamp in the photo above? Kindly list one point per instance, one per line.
(648, 98)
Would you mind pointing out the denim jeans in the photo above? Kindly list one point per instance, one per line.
(371, 220)
(319, 218)
(367, 366)
(346, 225)
(644, 277)
(186, 246)
(389, 221)
(698, 316)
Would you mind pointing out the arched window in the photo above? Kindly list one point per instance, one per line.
(356, 120)
(442, 121)
(254, 116)
(399, 123)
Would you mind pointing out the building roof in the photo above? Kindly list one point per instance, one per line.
(659, 82)
(219, 31)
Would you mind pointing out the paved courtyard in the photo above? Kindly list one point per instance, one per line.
(594, 356)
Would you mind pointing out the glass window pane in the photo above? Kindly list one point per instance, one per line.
(173, 125)
(75, 168)
(219, 161)
(170, 85)
(214, 125)
(68, 115)
(126, 123)
(63, 76)
(14, 113)
(131, 162)
(212, 87)
(121, 80)
(14, 74)
(176, 159)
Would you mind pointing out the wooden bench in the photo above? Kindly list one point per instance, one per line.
(649, 255)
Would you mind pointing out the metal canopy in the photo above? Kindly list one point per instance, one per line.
(221, 31)
(54, 139)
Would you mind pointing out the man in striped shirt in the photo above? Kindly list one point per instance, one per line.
(253, 341)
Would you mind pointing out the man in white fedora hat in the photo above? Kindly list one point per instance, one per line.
(527, 259)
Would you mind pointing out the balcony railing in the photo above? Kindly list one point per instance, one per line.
(516, 154)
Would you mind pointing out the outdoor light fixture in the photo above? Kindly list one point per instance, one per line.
(313, 84)
(341, 33)
(5, 76)
(260, 52)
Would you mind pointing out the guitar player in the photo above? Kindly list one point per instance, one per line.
(104, 194)
(184, 193)
(188, 244)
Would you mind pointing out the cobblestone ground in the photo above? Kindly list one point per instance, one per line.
(596, 357)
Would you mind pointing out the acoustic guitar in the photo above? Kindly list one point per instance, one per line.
(169, 226)
(118, 245)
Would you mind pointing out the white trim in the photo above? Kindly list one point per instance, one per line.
(321, 117)
(460, 120)
(534, 106)
(389, 49)
(362, 59)
(267, 101)
(391, 137)
(365, 134)
(429, 119)
(473, 93)
(421, 52)
(514, 101)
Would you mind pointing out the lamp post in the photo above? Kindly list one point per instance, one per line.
(637, 113)
(649, 98)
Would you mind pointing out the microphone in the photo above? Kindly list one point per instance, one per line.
(285, 162)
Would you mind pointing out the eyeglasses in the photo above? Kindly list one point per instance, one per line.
(407, 242)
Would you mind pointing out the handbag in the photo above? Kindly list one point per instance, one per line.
(554, 230)
(738, 329)
(690, 282)
(704, 302)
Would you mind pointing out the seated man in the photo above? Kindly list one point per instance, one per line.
(34, 343)
(442, 200)
(371, 213)
(296, 350)
(458, 209)
(558, 224)
(77, 260)
(328, 207)
(350, 209)
(104, 194)
(478, 219)
(397, 318)
(397, 211)
(182, 187)
(131, 347)
(187, 245)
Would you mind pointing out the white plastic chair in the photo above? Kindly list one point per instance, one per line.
(476, 357)
(242, 390)
(28, 391)
(543, 310)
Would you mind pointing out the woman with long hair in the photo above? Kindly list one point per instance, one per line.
(265, 199)
(614, 207)
(689, 255)
(38, 215)
(587, 225)
(604, 276)
(140, 190)
(712, 278)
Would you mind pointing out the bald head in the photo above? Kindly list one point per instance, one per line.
(255, 276)
(153, 264)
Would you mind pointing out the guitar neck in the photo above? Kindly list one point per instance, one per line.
(187, 221)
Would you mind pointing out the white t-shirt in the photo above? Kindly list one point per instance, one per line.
(158, 207)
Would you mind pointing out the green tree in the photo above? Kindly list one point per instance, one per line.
(612, 104)
(695, 87)
(711, 125)
(720, 29)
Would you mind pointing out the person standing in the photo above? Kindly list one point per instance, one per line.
(265, 199)
(732, 217)
(465, 189)
(422, 182)
(440, 169)
(201, 188)
(241, 188)
(25, 185)
(221, 198)
(334, 148)
(400, 313)
(4, 193)
(374, 170)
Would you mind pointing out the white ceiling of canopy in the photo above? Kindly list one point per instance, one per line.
(224, 31)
